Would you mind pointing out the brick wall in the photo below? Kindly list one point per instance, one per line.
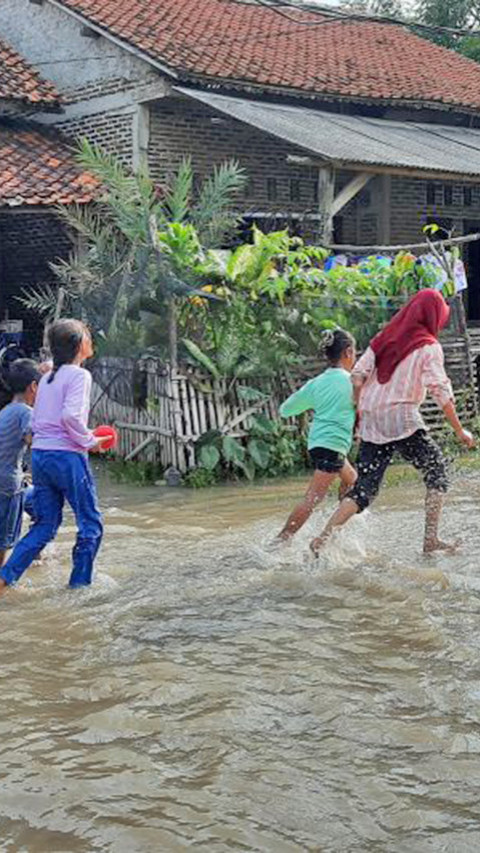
(112, 131)
(179, 128)
(412, 203)
(28, 243)
(106, 86)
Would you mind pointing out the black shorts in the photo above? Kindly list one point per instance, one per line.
(373, 460)
(326, 460)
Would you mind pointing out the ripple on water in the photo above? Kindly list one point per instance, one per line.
(208, 693)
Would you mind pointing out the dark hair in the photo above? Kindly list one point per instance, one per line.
(335, 342)
(65, 339)
(16, 378)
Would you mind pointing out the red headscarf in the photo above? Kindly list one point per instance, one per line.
(416, 325)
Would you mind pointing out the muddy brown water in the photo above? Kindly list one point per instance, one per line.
(208, 695)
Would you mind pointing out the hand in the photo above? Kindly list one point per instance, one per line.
(466, 438)
(98, 447)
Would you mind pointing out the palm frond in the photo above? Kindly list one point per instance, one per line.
(212, 215)
(41, 299)
(176, 203)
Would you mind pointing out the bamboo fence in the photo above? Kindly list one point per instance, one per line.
(160, 413)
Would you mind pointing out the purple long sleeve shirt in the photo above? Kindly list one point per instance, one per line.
(60, 415)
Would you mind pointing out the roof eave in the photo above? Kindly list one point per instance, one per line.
(251, 86)
(232, 83)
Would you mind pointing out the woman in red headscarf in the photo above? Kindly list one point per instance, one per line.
(391, 381)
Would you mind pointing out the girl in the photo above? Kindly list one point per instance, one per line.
(391, 379)
(60, 468)
(330, 396)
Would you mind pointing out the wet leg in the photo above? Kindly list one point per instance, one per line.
(348, 478)
(318, 488)
(342, 514)
(434, 502)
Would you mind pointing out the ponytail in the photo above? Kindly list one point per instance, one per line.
(65, 339)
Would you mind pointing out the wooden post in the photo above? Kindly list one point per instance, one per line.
(385, 208)
(326, 192)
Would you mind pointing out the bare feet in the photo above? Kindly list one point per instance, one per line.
(437, 545)
(3, 587)
(278, 543)
(317, 544)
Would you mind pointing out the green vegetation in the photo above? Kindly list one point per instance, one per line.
(152, 276)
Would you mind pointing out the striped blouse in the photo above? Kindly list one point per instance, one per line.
(391, 411)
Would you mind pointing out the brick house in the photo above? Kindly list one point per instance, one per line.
(355, 130)
(37, 172)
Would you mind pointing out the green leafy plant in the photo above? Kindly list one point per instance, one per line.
(142, 250)
(267, 449)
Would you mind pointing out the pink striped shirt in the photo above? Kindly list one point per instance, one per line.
(391, 411)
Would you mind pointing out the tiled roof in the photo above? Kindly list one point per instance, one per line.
(37, 168)
(248, 43)
(20, 82)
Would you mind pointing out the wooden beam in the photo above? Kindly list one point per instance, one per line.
(349, 191)
(326, 191)
(404, 172)
(401, 171)
(385, 208)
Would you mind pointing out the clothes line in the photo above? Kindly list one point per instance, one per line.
(451, 241)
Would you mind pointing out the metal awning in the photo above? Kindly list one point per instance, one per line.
(359, 142)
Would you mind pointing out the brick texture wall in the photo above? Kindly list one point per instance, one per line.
(112, 131)
(105, 86)
(28, 243)
(179, 128)
(412, 204)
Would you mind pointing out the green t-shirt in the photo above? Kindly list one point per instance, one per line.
(330, 395)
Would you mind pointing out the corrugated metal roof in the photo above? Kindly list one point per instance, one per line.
(358, 140)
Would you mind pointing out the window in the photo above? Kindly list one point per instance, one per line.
(430, 194)
(467, 196)
(315, 191)
(295, 193)
(272, 189)
(447, 195)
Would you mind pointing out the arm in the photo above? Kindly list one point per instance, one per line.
(298, 402)
(440, 387)
(26, 426)
(361, 372)
(75, 410)
(462, 434)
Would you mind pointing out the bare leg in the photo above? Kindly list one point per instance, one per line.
(433, 509)
(348, 478)
(3, 555)
(318, 488)
(3, 586)
(341, 515)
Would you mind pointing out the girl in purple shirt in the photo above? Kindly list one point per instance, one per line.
(60, 466)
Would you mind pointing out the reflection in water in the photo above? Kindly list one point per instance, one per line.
(208, 694)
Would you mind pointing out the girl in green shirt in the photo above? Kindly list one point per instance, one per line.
(330, 397)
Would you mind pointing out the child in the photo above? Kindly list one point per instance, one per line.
(60, 467)
(15, 436)
(401, 364)
(330, 396)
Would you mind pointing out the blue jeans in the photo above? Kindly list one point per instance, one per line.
(59, 476)
(12, 508)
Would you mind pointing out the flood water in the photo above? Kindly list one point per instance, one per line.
(206, 694)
